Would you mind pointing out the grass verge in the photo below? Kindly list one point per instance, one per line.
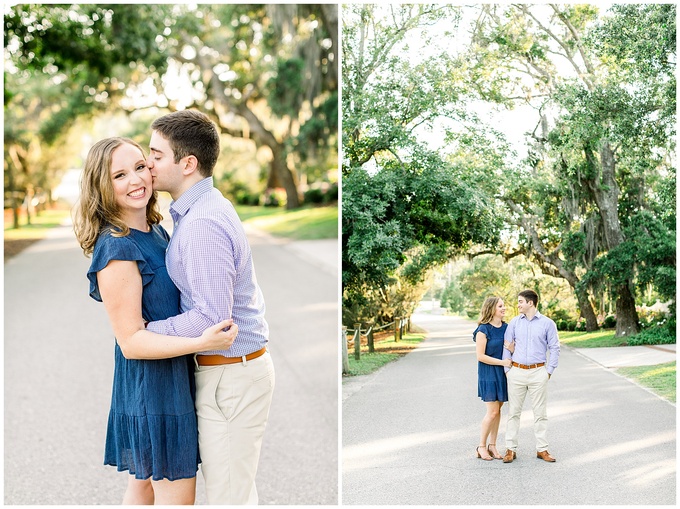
(386, 351)
(39, 224)
(660, 378)
(605, 338)
(16, 240)
(306, 223)
(596, 339)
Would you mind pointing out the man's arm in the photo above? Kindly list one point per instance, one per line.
(553, 347)
(120, 286)
(208, 259)
(508, 338)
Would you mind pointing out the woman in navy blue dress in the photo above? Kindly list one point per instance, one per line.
(492, 385)
(152, 431)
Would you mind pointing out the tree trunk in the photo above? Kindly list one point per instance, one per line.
(585, 307)
(286, 176)
(11, 184)
(606, 193)
(627, 323)
(552, 265)
(262, 137)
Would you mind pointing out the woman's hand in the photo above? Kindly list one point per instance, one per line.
(216, 338)
(506, 362)
(509, 346)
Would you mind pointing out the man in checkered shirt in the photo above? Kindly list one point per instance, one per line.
(210, 261)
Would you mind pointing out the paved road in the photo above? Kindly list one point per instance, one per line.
(59, 366)
(410, 431)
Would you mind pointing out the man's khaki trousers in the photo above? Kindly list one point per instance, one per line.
(232, 406)
(520, 383)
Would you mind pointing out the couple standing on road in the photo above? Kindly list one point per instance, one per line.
(512, 362)
(192, 371)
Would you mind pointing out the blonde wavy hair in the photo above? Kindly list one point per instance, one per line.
(488, 310)
(97, 209)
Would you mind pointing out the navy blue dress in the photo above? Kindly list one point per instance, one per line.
(152, 429)
(492, 384)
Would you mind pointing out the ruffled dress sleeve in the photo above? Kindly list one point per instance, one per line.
(110, 248)
(483, 328)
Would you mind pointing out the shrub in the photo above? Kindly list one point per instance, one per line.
(275, 197)
(561, 324)
(581, 325)
(558, 314)
(571, 325)
(331, 194)
(649, 317)
(659, 335)
(609, 322)
(314, 196)
(245, 197)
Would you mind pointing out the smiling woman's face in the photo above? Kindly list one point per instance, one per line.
(131, 179)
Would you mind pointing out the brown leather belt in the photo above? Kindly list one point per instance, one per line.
(530, 366)
(216, 360)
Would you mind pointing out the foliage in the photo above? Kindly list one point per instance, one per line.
(405, 220)
(452, 298)
(609, 322)
(405, 208)
(489, 275)
(262, 72)
(601, 145)
(659, 335)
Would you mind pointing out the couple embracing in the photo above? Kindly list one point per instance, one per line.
(513, 361)
(192, 371)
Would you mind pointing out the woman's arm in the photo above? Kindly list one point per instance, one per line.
(480, 339)
(120, 286)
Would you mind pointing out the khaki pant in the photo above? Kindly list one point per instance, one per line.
(232, 406)
(535, 383)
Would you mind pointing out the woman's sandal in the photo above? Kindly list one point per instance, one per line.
(496, 454)
(482, 457)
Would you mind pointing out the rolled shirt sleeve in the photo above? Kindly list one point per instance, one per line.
(210, 261)
(509, 338)
(553, 345)
(206, 256)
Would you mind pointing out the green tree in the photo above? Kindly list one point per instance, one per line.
(265, 73)
(405, 209)
(613, 124)
(57, 70)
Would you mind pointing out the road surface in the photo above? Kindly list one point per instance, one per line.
(59, 367)
(410, 432)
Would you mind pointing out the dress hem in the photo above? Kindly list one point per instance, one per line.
(178, 478)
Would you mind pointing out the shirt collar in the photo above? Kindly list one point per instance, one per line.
(537, 315)
(181, 205)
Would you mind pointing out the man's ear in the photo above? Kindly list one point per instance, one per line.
(190, 165)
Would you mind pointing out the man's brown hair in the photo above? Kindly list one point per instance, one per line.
(191, 132)
(530, 295)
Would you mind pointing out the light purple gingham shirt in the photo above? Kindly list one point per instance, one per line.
(533, 338)
(210, 262)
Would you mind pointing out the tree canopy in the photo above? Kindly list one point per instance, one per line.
(267, 73)
(597, 182)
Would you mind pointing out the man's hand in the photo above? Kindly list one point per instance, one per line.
(216, 338)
